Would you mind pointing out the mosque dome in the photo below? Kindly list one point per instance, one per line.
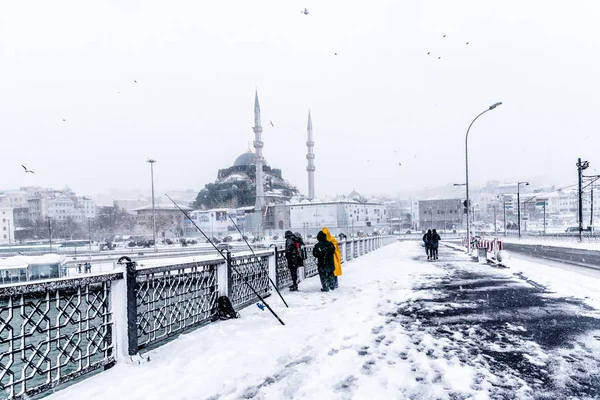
(245, 159)
(354, 195)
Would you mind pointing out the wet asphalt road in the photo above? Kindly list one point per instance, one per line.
(526, 341)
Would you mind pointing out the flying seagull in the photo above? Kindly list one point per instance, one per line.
(428, 53)
(439, 58)
(335, 54)
(27, 170)
(134, 81)
(305, 12)
(272, 124)
(64, 120)
(444, 36)
(467, 42)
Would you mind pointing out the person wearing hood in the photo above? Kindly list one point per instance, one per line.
(293, 258)
(337, 259)
(324, 252)
(427, 242)
(435, 241)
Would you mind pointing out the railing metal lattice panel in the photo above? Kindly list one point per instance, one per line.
(173, 299)
(284, 278)
(310, 264)
(355, 246)
(349, 251)
(253, 269)
(53, 332)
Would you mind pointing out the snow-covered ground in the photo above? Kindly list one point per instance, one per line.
(398, 327)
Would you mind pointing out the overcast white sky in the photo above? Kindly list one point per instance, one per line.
(381, 101)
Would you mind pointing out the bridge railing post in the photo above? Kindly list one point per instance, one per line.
(124, 306)
(223, 278)
(132, 339)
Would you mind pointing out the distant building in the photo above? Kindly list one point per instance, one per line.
(130, 205)
(340, 216)
(441, 214)
(169, 219)
(60, 205)
(7, 225)
(14, 199)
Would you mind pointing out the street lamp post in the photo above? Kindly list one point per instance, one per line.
(519, 205)
(490, 108)
(151, 162)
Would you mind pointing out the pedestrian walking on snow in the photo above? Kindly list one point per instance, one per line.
(427, 242)
(435, 241)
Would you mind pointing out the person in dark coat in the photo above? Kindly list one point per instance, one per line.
(435, 241)
(324, 252)
(427, 241)
(293, 258)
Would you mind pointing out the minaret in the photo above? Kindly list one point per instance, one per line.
(310, 156)
(258, 145)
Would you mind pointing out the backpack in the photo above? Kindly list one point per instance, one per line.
(225, 309)
(300, 251)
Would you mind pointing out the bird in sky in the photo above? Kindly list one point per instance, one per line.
(305, 12)
(467, 42)
(335, 54)
(64, 120)
(444, 36)
(27, 170)
(439, 58)
(134, 81)
(272, 124)
(399, 164)
(428, 53)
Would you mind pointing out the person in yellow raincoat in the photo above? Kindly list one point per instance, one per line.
(337, 259)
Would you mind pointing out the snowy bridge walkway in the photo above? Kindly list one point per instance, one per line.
(398, 327)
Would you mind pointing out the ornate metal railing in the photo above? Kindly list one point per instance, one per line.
(53, 332)
(310, 264)
(254, 269)
(173, 299)
(355, 249)
(348, 250)
(282, 272)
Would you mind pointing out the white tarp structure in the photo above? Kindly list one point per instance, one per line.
(19, 262)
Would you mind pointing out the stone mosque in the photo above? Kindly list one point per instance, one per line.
(236, 186)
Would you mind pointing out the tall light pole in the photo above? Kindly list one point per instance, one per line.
(490, 108)
(504, 208)
(519, 205)
(151, 162)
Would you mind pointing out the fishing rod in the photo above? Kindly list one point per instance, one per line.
(244, 279)
(254, 254)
